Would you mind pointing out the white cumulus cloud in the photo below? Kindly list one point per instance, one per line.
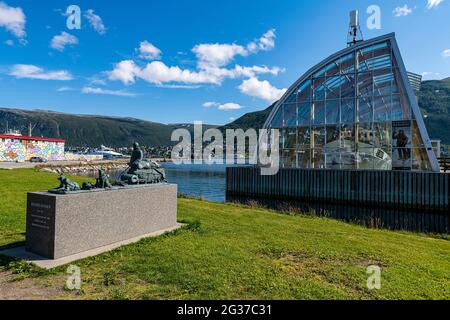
(9, 43)
(217, 55)
(261, 89)
(124, 71)
(95, 21)
(446, 53)
(210, 104)
(28, 71)
(265, 43)
(59, 42)
(119, 93)
(402, 11)
(229, 106)
(212, 65)
(13, 20)
(434, 3)
(65, 89)
(148, 51)
(224, 107)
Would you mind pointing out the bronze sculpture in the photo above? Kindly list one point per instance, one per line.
(65, 186)
(140, 171)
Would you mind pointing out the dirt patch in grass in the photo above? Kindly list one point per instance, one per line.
(13, 287)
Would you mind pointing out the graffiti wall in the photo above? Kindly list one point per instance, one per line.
(21, 150)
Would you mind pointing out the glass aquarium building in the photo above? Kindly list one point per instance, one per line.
(354, 110)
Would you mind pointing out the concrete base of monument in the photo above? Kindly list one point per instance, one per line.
(64, 228)
(45, 263)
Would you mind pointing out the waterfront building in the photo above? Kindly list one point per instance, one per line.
(19, 148)
(356, 109)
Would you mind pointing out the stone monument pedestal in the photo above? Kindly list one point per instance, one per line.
(73, 226)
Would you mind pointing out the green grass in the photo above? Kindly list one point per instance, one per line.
(236, 252)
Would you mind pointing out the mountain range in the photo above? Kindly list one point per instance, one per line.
(93, 130)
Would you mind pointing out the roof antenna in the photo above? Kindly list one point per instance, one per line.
(354, 35)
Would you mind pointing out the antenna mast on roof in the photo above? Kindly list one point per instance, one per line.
(354, 35)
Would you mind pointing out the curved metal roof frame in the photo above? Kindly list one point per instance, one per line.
(404, 75)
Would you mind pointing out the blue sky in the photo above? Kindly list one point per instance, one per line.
(200, 60)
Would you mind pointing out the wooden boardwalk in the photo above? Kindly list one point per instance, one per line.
(421, 191)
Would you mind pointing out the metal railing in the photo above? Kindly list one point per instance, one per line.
(444, 164)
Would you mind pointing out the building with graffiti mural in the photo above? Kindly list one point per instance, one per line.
(18, 148)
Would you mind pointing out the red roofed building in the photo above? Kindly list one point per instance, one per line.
(19, 148)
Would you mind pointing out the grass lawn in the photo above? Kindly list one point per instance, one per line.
(236, 252)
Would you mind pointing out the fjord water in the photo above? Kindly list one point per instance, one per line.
(202, 180)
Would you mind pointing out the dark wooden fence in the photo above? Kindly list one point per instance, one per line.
(392, 189)
(445, 164)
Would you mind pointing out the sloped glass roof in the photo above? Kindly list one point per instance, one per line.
(355, 110)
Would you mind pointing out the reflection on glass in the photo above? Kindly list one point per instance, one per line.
(332, 138)
(332, 111)
(304, 137)
(365, 84)
(290, 114)
(348, 138)
(319, 88)
(348, 86)
(382, 135)
(401, 110)
(304, 156)
(304, 91)
(290, 138)
(365, 134)
(319, 134)
(304, 113)
(416, 136)
(289, 159)
(277, 120)
(382, 108)
(317, 158)
(365, 159)
(421, 162)
(319, 112)
(348, 111)
(365, 110)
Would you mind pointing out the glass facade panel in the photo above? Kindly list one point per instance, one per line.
(290, 114)
(382, 106)
(416, 137)
(317, 158)
(421, 162)
(304, 158)
(319, 112)
(319, 134)
(304, 137)
(348, 86)
(365, 84)
(304, 113)
(319, 88)
(290, 138)
(304, 91)
(365, 109)
(332, 138)
(348, 110)
(347, 63)
(400, 108)
(352, 113)
(277, 120)
(289, 159)
(332, 111)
